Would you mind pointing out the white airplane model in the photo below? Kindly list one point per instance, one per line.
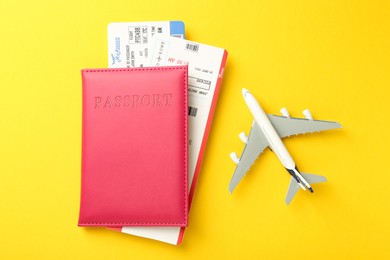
(268, 130)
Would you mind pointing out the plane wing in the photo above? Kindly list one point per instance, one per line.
(287, 126)
(254, 147)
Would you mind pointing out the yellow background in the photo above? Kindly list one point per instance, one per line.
(329, 56)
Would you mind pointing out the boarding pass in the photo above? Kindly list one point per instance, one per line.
(129, 43)
(205, 70)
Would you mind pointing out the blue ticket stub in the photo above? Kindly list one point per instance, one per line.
(130, 43)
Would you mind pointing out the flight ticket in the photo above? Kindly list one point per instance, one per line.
(205, 71)
(129, 43)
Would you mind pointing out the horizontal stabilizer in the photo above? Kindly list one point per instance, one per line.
(292, 190)
(312, 178)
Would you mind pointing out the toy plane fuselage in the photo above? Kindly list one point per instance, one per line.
(266, 133)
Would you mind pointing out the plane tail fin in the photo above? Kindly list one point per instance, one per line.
(294, 186)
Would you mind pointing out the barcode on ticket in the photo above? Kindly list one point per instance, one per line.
(192, 47)
(192, 111)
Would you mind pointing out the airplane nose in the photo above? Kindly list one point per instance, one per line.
(244, 91)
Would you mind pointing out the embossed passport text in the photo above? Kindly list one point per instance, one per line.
(134, 147)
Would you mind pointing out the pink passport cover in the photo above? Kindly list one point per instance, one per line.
(134, 147)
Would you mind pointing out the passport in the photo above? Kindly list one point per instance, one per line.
(134, 147)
